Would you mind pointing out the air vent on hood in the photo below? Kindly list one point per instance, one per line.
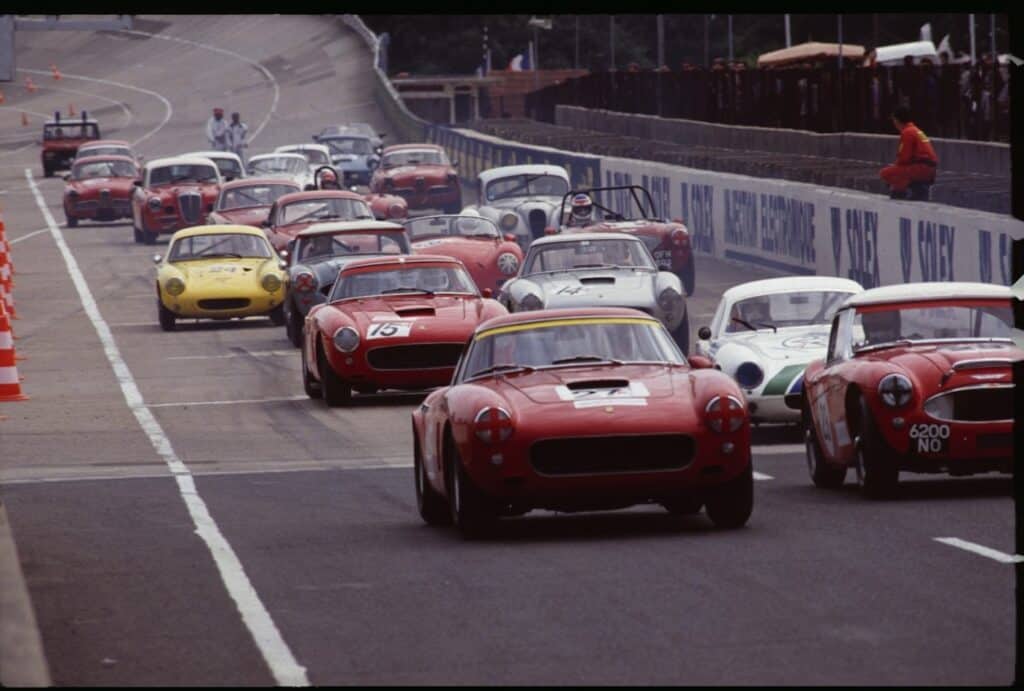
(599, 280)
(598, 384)
(414, 311)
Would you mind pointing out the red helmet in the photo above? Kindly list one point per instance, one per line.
(218, 111)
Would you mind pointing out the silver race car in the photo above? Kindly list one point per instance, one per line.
(522, 200)
(598, 270)
(765, 333)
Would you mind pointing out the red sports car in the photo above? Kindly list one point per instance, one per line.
(247, 201)
(490, 257)
(174, 193)
(421, 174)
(391, 323)
(577, 410)
(668, 241)
(917, 378)
(99, 188)
(294, 212)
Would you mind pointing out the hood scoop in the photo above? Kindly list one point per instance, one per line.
(597, 280)
(597, 384)
(414, 311)
(979, 363)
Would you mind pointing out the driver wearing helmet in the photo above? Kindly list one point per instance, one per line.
(433, 279)
(582, 213)
(329, 180)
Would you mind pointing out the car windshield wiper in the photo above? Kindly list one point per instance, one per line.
(586, 358)
(219, 254)
(407, 290)
(502, 368)
(594, 266)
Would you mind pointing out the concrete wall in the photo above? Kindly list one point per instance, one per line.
(987, 158)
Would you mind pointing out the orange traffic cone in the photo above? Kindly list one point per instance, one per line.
(1, 96)
(5, 247)
(24, 119)
(56, 72)
(71, 109)
(6, 283)
(10, 383)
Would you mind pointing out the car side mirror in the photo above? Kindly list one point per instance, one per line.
(793, 400)
(229, 178)
(157, 258)
(699, 362)
(551, 230)
(510, 237)
(704, 333)
(137, 183)
(487, 292)
(265, 223)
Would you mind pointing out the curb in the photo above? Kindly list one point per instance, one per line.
(22, 662)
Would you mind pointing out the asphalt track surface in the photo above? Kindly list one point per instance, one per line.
(821, 587)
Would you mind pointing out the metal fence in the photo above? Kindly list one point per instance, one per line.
(947, 100)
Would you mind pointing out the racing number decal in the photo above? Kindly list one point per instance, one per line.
(930, 438)
(388, 330)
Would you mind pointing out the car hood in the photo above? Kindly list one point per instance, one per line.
(523, 205)
(440, 309)
(933, 365)
(790, 345)
(221, 270)
(249, 216)
(592, 386)
(327, 270)
(636, 227)
(410, 173)
(477, 253)
(596, 287)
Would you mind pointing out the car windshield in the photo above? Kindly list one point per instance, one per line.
(878, 326)
(186, 172)
(446, 226)
(103, 169)
(228, 167)
(71, 130)
(409, 157)
(392, 280)
(566, 342)
(218, 245)
(359, 146)
(527, 186)
(310, 249)
(780, 310)
(327, 209)
(313, 156)
(278, 164)
(252, 195)
(104, 151)
(588, 254)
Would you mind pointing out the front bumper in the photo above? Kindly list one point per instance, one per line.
(201, 306)
(98, 209)
(925, 445)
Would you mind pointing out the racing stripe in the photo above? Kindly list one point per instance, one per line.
(780, 382)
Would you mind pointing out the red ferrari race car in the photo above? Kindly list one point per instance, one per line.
(99, 188)
(917, 378)
(247, 202)
(421, 174)
(492, 258)
(391, 323)
(668, 241)
(174, 193)
(579, 410)
(61, 139)
(294, 212)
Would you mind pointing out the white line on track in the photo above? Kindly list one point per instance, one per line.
(777, 449)
(762, 476)
(168, 108)
(247, 353)
(283, 665)
(26, 236)
(1001, 557)
(243, 400)
(238, 56)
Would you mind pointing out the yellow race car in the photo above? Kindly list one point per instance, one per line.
(219, 272)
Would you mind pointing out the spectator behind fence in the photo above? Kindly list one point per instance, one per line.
(916, 161)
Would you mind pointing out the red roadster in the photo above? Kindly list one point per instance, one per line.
(174, 193)
(294, 212)
(490, 257)
(247, 202)
(576, 410)
(917, 378)
(99, 188)
(421, 174)
(391, 323)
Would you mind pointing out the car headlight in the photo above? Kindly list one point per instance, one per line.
(508, 221)
(895, 390)
(304, 282)
(508, 263)
(669, 300)
(346, 339)
(396, 211)
(531, 302)
(940, 407)
(271, 283)
(721, 409)
(680, 238)
(153, 203)
(492, 425)
(749, 375)
(174, 286)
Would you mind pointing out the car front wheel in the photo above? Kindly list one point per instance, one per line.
(688, 276)
(682, 333)
(470, 510)
(310, 385)
(823, 474)
(277, 316)
(293, 325)
(730, 504)
(336, 390)
(877, 475)
(72, 222)
(432, 506)
(167, 318)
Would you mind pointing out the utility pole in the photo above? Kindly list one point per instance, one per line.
(611, 38)
(789, 40)
(992, 30)
(661, 39)
(730, 37)
(707, 48)
(974, 59)
(576, 61)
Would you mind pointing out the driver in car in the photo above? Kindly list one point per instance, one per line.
(881, 327)
(319, 246)
(434, 280)
(582, 213)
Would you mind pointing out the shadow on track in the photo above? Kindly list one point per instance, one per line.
(777, 434)
(912, 487)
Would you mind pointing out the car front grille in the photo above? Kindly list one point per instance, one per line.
(981, 403)
(425, 356)
(612, 454)
(190, 204)
(223, 303)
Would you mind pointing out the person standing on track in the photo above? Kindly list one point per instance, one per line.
(217, 131)
(237, 132)
(916, 160)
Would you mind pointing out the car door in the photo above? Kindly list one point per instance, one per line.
(826, 388)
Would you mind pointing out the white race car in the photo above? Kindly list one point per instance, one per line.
(317, 154)
(522, 200)
(293, 167)
(765, 333)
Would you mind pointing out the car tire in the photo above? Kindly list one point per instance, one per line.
(47, 172)
(682, 333)
(730, 505)
(432, 506)
(72, 222)
(138, 234)
(688, 276)
(469, 509)
(277, 315)
(293, 326)
(336, 391)
(877, 475)
(683, 505)
(823, 474)
(310, 385)
(166, 317)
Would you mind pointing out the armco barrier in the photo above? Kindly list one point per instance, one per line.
(787, 226)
